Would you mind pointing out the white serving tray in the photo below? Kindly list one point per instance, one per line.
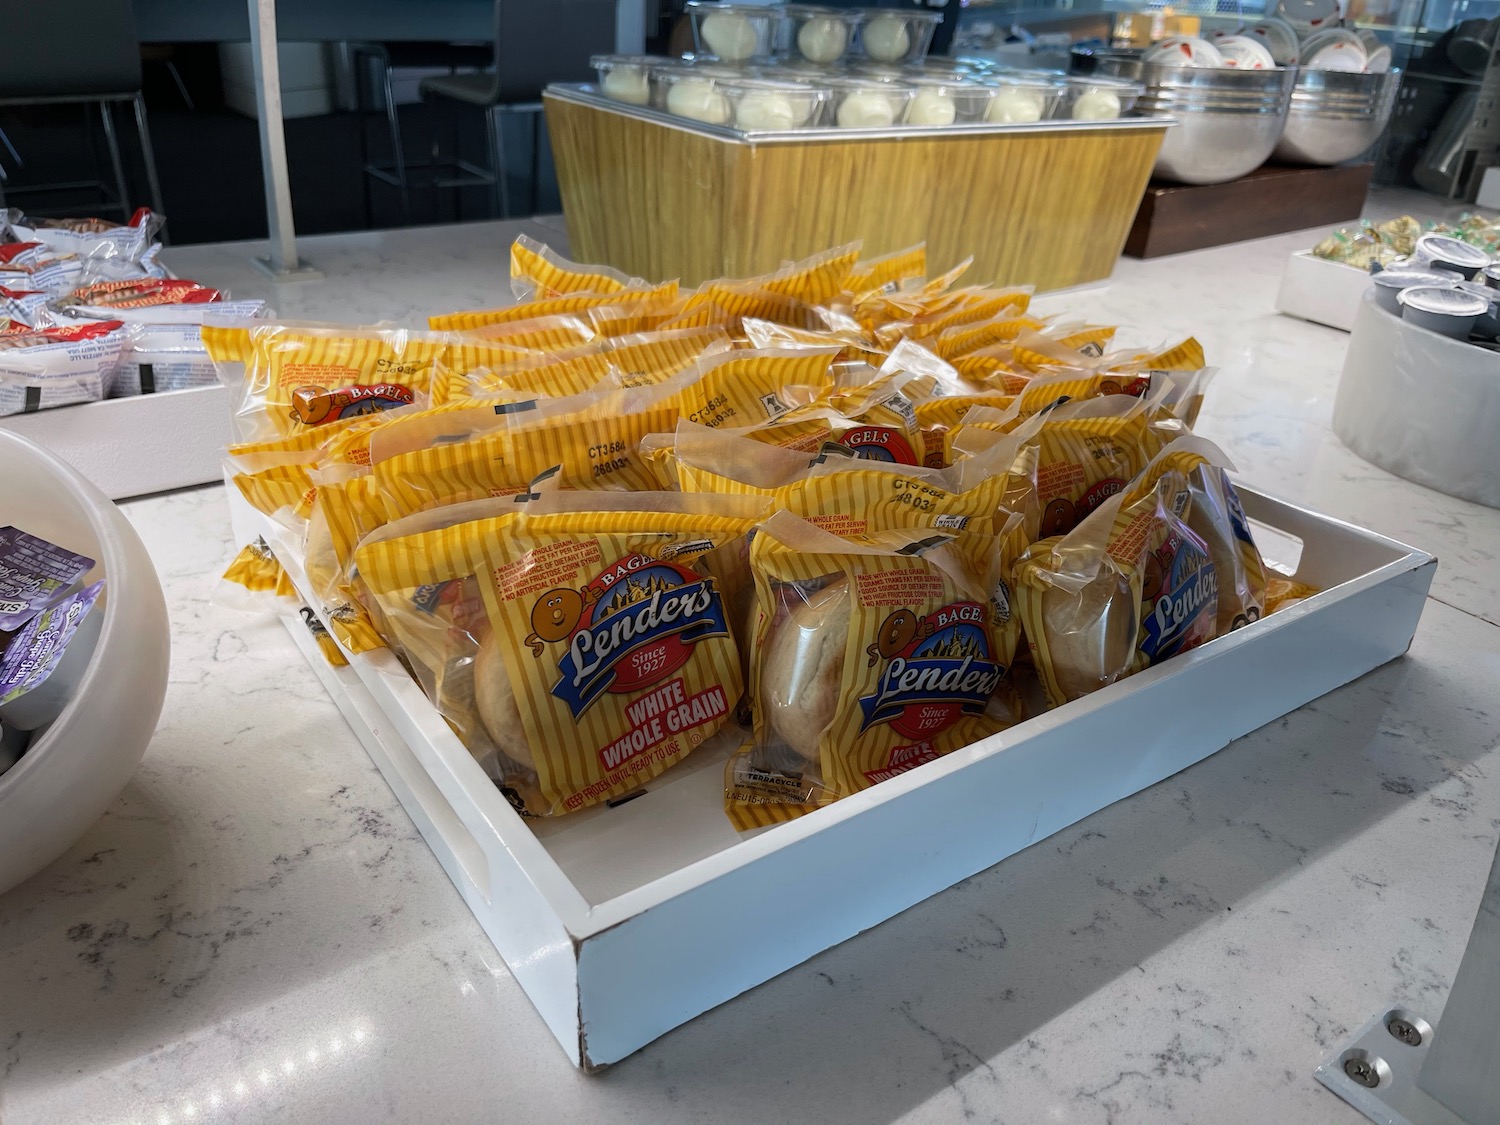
(137, 445)
(1324, 292)
(623, 923)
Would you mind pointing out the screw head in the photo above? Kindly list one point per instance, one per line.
(1362, 1072)
(1405, 1031)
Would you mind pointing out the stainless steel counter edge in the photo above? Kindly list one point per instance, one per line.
(587, 94)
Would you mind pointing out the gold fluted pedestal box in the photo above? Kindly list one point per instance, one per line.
(662, 197)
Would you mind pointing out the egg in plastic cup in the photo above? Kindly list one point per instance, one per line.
(734, 33)
(1021, 99)
(691, 93)
(891, 35)
(867, 103)
(624, 78)
(768, 105)
(951, 99)
(815, 34)
(1097, 98)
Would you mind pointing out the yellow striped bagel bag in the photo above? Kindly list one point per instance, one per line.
(609, 655)
(872, 656)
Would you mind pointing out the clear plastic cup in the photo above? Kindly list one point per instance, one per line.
(1021, 99)
(1096, 98)
(764, 105)
(625, 78)
(867, 103)
(663, 72)
(889, 35)
(947, 100)
(687, 92)
(816, 34)
(734, 33)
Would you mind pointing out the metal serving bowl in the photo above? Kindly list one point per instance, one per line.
(1228, 120)
(1336, 116)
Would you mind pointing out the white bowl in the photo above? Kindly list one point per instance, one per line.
(74, 770)
(1184, 50)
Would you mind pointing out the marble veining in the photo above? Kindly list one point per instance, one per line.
(255, 932)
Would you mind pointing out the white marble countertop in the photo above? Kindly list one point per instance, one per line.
(256, 933)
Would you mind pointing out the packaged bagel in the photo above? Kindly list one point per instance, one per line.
(1130, 586)
(662, 296)
(539, 272)
(871, 275)
(871, 657)
(1086, 451)
(603, 654)
(1217, 518)
(59, 365)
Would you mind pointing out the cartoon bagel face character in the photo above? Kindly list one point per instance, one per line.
(312, 406)
(554, 617)
(897, 631)
(1059, 517)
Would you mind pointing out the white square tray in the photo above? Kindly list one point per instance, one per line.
(132, 446)
(1321, 291)
(622, 923)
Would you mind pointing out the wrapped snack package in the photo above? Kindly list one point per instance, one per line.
(662, 296)
(1130, 586)
(33, 265)
(871, 657)
(91, 238)
(255, 582)
(1283, 593)
(600, 654)
(59, 365)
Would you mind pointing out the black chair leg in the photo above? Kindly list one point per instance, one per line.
(397, 150)
(536, 161)
(360, 115)
(148, 153)
(122, 193)
(495, 132)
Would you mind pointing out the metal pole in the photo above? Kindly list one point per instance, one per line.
(1401, 1070)
(1463, 1068)
(282, 263)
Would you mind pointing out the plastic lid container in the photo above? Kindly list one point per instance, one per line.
(867, 103)
(816, 34)
(766, 105)
(1096, 98)
(1389, 283)
(624, 78)
(1447, 311)
(685, 92)
(890, 35)
(1019, 100)
(1451, 253)
(948, 100)
(1488, 323)
(734, 33)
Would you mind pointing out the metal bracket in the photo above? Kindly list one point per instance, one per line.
(301, 272)
(1376, 1072)
(1400, 1070)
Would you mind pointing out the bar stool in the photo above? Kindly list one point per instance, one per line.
(98, 61)
(386, 57)
(536, 42)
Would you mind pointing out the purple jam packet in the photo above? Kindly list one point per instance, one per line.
(33, 653)
(33, 575)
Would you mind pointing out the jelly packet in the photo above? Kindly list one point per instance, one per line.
(57, 638)
(33, 575)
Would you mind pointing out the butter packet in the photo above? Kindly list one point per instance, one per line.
(871, 657)
(34, 574)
